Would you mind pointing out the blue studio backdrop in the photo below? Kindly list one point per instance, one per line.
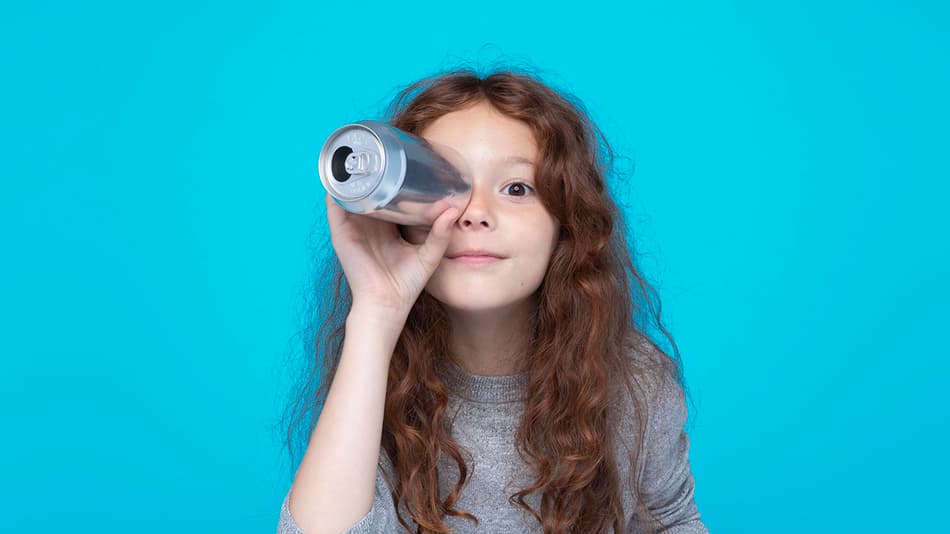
(786, 182)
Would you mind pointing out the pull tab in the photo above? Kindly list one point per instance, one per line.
(362, 163)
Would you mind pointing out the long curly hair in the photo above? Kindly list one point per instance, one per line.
(590, 335)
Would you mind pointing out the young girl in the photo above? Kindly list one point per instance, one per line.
(493, 373)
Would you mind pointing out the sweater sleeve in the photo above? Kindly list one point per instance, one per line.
(380, 518)
(668, 482)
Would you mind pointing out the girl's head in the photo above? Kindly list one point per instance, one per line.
(528, 151)
(540, 200)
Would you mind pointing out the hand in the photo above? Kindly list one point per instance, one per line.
(384, 270)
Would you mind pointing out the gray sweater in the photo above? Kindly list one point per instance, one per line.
(488, 417)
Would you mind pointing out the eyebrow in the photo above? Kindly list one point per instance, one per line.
(517, 159)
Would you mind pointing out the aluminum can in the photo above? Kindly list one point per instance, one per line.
(375, 169)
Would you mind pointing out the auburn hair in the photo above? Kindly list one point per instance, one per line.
(590, 336)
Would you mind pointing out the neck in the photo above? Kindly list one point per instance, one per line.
(490, 342)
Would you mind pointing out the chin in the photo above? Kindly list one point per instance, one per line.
(480, 301)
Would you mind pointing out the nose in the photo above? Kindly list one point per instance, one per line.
(477, 214)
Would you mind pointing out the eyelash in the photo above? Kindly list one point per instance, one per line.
(528, 188)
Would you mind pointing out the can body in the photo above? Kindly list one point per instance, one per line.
(375, 169)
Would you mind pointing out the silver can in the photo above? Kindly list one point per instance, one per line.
(375, 169)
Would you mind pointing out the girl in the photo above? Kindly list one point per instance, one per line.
(494, 372)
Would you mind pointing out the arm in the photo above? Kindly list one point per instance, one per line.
(337, 484)
(335, 487)
(380, 518)
(668, 483)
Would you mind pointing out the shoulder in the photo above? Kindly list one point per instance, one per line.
(657, 401)
(655, 373)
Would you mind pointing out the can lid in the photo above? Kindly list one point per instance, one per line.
(352, 162)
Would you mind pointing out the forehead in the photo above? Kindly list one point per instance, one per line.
(483, 132)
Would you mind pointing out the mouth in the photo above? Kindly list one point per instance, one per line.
(476, 259)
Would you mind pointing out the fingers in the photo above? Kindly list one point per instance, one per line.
(335, 214)
(437, 241)
(432, 211)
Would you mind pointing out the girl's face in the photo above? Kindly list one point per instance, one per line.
(505, 216)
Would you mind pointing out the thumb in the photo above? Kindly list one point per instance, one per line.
(437, 241)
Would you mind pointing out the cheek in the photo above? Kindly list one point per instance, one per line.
(437, 285)
(552, 230)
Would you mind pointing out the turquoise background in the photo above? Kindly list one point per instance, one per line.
(159, 186)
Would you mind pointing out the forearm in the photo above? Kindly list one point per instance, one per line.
(334, 485)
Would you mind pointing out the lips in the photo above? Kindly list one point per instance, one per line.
(474, 254)
(476, 260)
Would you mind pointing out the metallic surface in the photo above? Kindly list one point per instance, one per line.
(374, 169)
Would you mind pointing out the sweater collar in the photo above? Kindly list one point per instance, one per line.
(483, 388)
